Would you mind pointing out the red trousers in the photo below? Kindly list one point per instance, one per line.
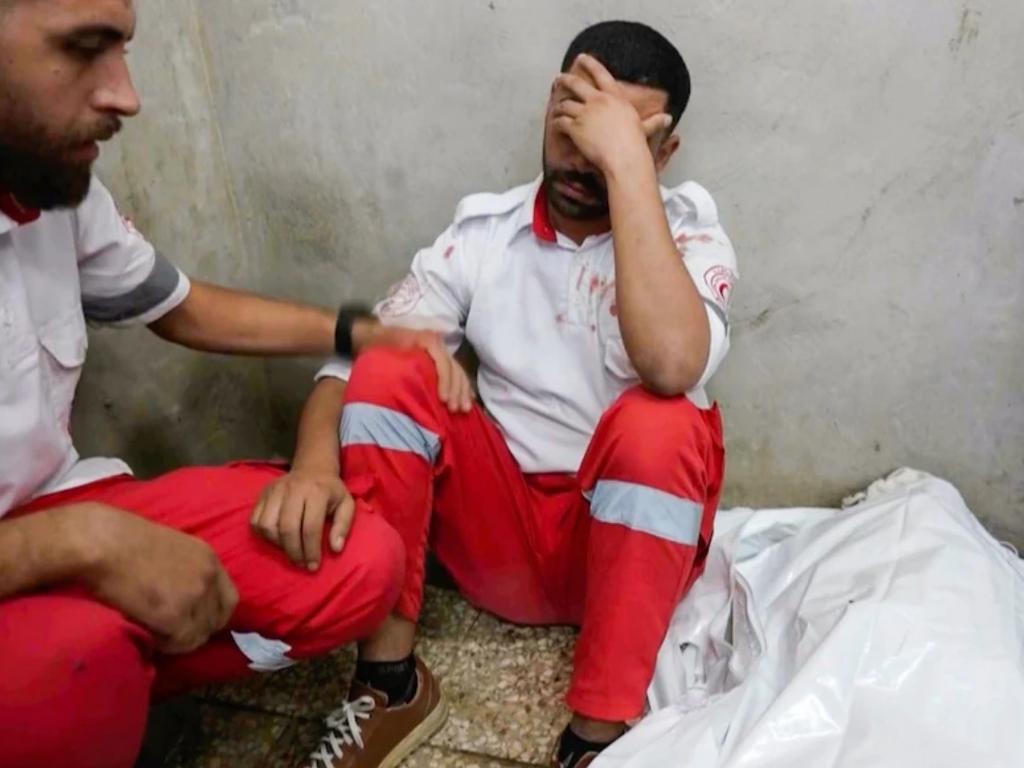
(76, 676)
(612, 549)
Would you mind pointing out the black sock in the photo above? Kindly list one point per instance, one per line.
(395, 679)
(572, 747)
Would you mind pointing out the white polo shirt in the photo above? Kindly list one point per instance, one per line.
(540, 313)
(57, 270)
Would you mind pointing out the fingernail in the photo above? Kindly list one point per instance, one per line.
(314, 566)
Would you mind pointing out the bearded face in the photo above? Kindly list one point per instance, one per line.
(64, 89)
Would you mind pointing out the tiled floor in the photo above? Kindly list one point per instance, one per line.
(504, 686)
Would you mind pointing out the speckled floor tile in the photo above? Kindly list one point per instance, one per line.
(313, 688)
(305, 690)
(446, 615)
(294, 746)
(505, 691)
(230, 738)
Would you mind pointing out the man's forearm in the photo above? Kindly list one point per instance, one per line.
(43, 548)
(662, 317)
(215, 319)
(317, 445)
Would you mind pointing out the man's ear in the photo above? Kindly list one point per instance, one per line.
(666, 151)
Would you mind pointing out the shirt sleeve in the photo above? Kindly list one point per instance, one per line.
(124, 280)
(435, 295)
(711, 262)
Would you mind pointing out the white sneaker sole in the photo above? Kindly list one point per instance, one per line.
(419, 735)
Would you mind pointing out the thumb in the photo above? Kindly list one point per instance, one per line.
(655, 123)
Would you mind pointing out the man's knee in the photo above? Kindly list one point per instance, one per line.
(383, 372)
(76, 668)
(646, 426)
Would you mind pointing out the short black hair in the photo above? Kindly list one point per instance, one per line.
(635, 53)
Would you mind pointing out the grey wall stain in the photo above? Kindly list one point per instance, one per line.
(967, 30)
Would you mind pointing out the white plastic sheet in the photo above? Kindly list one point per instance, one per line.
(890, 633)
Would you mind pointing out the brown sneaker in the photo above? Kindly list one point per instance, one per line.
(364, 733)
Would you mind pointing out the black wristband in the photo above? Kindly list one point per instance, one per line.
(347, 316)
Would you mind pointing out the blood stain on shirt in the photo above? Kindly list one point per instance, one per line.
(683, 240)
(449, 251)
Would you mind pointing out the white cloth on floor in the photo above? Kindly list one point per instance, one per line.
(889, 633)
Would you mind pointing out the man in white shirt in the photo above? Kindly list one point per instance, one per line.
(113, 590)
(582, 489)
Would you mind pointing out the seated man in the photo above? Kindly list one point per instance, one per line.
(583, 488)
(113, 588)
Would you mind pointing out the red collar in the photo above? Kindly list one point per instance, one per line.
(16, 212)
(542, 226)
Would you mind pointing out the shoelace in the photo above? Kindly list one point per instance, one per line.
(343, 730)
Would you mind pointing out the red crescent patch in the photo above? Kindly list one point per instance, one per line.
(720, 280)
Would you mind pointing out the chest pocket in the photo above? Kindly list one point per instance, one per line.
(63, 345)
(16, 343)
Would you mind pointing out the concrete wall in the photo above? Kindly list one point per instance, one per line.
(154, 404)
(868, 159)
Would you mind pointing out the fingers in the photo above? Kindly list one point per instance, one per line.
(453, 386)
(459, 387)
(265, 518)
(313, 528)
(290, 526)
(466, 394)
(206, 617)
(564, 125)
(195, 632)
(446, 372)
(577, 86)
(598, 72)
(460, 390)
(227, 599)
(292, 515)
(209, 621)
(183, 642)
(344, 513)
(440, 358)
(257, 511)
(568, 108)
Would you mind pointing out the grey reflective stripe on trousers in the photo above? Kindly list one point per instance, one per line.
(366, 424)
(646, 509)
(151, 292)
